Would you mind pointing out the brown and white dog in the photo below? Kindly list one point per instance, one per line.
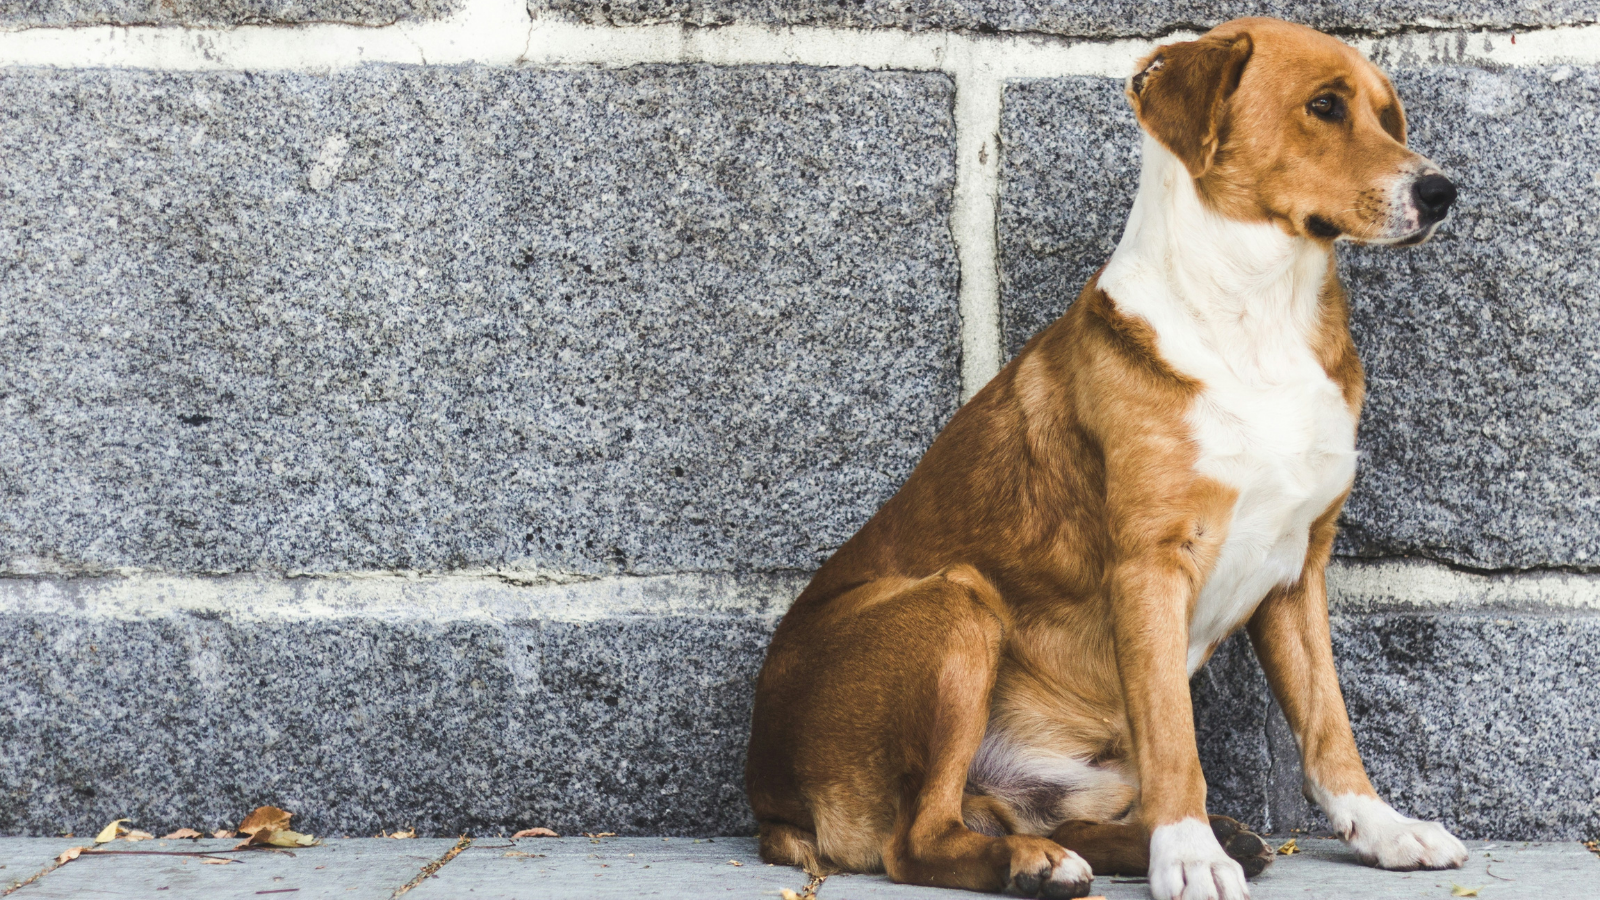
(987, 687)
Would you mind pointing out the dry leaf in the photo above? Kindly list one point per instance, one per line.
(534, 832)
(734, 862)
(183, 833)
(138, 836)
(110, 832)
(268, 817)
(1457, 890)
(217, 862)
(224, 833)
(69, 854)
(1289, 848)
(402, 835)
(287, 838)
(787, 894)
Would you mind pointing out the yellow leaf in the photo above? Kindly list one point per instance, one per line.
(217, 862)
(1289, 848)
(534, 832)
(789, 895)
(287, 838)
(223, 833)
(138, 836)
(183, 833)
(734, 862)
(403, 835)
(1457, 890)
(69, 854)
(110, 832)
(268, 817)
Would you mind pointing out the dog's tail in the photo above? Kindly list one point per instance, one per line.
(787, 845)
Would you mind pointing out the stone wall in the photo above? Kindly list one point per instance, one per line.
(420, 413)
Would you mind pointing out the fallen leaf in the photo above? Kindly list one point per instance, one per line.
(287, 838)
(268, 817)
(182, 833)
(69, 854)
(1457, 890)
(534, 832)
(402, 835)
(110, 832)
(1289, 848)
(787, 894)
(734, 862)
(217, 862)
(138, 836)
(224, 833)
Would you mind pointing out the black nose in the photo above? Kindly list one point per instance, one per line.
(1433, 195)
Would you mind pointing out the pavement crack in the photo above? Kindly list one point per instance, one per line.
(431, 869)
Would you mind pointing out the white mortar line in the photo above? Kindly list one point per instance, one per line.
(973, 223)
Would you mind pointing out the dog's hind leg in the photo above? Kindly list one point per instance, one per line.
(931, 844)
(788, 845)
(1115, 848)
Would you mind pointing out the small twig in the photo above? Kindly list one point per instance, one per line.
(203, 854)
(279, 891)
(1491, 873)
(428, 870)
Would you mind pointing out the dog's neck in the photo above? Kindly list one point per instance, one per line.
(1211, 286)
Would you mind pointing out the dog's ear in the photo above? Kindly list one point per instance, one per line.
(1181, 91)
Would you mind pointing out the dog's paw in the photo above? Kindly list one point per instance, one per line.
(1043, 868)
(1187, 863)
(1244, 846)
(1384, 838)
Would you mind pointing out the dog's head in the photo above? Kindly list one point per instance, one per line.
(1282, 123)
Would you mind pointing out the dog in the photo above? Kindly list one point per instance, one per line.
(987, 687)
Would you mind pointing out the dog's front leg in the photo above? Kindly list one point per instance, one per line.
(1292, 639)
(1151, 598)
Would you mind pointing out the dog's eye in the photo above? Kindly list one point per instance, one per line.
(1328, 107)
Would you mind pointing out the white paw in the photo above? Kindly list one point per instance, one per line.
(1187, 863)
(1382, 837)
(1070, 878)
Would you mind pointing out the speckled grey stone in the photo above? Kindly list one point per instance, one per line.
(1072, 17)
(1479, 435)
(1484, 722)
(219, 12)
(361, 869)
(637, 320)
(485, 717)
(1069, 169)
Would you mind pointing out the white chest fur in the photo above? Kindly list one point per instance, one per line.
(1235, 306)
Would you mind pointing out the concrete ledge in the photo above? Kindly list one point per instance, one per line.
(219, 12)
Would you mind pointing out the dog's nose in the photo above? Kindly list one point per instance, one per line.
(1433, 195)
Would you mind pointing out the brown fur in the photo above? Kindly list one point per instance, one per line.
(1037, 571)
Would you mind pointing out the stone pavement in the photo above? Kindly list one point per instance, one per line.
(571, 868)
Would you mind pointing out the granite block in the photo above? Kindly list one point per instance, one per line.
(577, 868)
(592, 320)
(1479, 438)
(362, 869)
(495, 710)
(1097, 18)
(1485, 722)
(26, 13)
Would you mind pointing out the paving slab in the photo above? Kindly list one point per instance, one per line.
(623, 868)
(353, 869)
(21, 858)
(1327, 869)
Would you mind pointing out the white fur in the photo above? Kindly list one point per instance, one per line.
(1037, 783)
(1235, 306)
(1187, 863)
(1384, 838)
